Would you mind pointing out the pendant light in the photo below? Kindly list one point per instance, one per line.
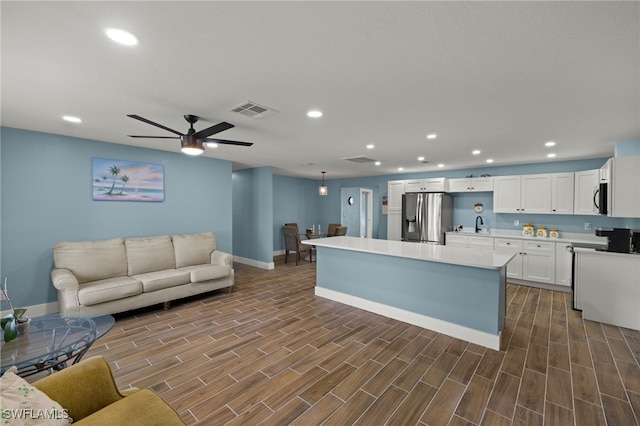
(322, 189)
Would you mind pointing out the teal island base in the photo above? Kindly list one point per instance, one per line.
(463, 301)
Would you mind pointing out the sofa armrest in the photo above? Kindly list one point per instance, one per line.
(221, 258)
(63, 279)
(83, 388)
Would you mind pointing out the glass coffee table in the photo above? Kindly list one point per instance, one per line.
(53, 341)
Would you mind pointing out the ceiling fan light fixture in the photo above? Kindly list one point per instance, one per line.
(191, 146)
(322, 189)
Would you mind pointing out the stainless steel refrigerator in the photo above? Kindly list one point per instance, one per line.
(426, 216)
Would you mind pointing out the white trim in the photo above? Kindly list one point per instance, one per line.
(455, 330)
(256, 263)
(38, 310)
(554, 287)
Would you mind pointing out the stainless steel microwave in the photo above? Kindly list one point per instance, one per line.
(600, 199)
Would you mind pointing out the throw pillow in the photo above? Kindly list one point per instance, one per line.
(22, 404)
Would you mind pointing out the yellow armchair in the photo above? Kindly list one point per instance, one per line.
(88, 392)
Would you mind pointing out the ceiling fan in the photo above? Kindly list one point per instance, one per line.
(193, 142)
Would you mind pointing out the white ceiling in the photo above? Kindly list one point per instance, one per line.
(502, 77)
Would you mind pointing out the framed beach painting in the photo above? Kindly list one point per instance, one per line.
(120, 180)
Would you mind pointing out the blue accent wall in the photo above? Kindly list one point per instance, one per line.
(296, 200)
(253, 213)
(46, 193)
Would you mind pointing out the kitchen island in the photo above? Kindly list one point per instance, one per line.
(456, 291)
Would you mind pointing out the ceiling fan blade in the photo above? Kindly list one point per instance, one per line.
(212, 130)
(155, 137)
(227, 142)
(144, 120)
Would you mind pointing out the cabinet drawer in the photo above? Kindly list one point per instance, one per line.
(457, 240)
(501, 243)
(540, 246)
(481, 242)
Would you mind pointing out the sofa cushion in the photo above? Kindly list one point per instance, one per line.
(193, 249)
(201, 273)
(153, 281)
(149, 254)
(110, 289)
(92, 260)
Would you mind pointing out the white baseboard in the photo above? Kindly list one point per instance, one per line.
(554, 287)
(279, 252)
(455, 330)
(256, 263)
(38, 310)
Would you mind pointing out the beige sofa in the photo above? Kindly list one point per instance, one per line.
(111, 276)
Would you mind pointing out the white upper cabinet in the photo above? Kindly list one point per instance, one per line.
(522, 194)
(395, 189)
(585, 184)
(426, 185)
(506, 194)
(471, 184)
(605, 171)
(624, 187)
(562, 187)
(536, 194)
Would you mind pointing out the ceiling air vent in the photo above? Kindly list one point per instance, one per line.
(253, 110)
(360, 159)
(426, 161)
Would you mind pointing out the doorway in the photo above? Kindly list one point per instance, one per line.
(366, 213)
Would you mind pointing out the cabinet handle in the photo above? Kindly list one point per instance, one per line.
(539, 245)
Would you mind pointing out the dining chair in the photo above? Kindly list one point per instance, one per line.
(331, 229)
(292, 243)
(341, 230)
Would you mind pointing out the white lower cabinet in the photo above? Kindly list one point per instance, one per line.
(564, 263)
(514, 267)
(456, 240)
(481, 242)
(469, 241)
(539, 262)
(394, 225)
(534, 261)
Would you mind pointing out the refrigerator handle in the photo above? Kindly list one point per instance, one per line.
(419, 218)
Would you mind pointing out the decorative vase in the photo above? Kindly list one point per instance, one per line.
(23, 327)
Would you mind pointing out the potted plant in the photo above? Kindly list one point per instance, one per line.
(16, 322)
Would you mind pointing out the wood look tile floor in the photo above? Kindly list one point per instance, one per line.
(272, 353)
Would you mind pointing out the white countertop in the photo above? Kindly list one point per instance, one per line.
(565, 237)
(474, 257)
(633, 257)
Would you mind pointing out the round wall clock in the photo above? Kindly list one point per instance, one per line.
(350, 201)
(478, 208)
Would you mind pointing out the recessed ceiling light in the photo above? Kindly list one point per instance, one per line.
(420, 158)
(370, 146)
(211, 144)
(314, 113)
(123, 37)
(72, 119)
(432, 136)
(476, 152)
(440, 165)
(489, 160)
(550, 143)
(377, 163)
(400, 169)
(551, 155)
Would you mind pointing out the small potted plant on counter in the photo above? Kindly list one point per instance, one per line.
(16, 322)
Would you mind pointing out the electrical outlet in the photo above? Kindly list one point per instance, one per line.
(516, 222)
(587, 226)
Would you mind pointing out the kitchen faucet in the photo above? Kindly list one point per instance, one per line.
(481, 223)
